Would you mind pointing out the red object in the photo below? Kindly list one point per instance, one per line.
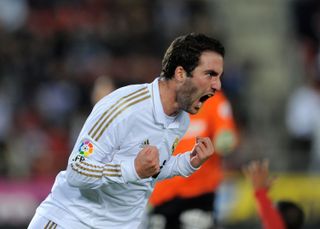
(270, 216)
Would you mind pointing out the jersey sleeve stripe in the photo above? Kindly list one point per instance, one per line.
(101, 167)
(97, 170)
(111, 107)
(94, 166)
(119, 112)
(111, 165)
(97, 173)
(87, 169)
(103, 173)
(111, 175)
(84, 174)
(112, 170)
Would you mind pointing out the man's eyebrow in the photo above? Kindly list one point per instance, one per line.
(213, 72)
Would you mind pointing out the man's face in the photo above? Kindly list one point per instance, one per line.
(203, 83)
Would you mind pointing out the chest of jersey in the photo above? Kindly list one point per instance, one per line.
(144, 131)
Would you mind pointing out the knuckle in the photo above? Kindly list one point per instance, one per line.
(154, 164)
(154, 151)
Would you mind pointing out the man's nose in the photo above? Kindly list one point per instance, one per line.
(216, 84)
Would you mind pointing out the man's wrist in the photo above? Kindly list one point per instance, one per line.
(193, 164)
(129, 172)
(184, 164)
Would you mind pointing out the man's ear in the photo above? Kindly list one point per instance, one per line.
(180, 74)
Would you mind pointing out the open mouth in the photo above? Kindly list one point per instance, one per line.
(205, 97)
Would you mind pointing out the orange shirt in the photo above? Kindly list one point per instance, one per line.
(215, 116)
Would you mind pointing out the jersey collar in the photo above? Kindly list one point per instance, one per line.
(159, 114)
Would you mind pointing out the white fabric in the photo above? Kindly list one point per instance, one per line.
(102, 189)
(302, 112)
(39, 221)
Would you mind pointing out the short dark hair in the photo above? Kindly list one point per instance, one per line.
(291, 213)
(186, 50)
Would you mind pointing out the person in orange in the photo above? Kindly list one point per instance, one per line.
(188, 203)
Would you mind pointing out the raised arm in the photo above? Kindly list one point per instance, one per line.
(258, 174)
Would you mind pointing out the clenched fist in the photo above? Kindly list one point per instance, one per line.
(201, 151)
(147, 162)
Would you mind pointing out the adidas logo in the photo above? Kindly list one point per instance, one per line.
(144, 143)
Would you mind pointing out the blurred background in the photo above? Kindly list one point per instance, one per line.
(52, 52)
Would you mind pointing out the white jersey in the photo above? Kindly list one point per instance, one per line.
(100, 187)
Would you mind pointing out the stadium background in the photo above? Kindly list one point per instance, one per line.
(51, 53)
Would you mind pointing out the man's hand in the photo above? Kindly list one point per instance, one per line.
(147, 162)
(202, 150)
(258, 174)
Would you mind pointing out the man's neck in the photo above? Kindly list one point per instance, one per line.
(167, 91)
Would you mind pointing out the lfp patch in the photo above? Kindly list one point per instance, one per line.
(86, 148)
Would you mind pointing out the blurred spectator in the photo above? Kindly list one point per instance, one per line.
(29, 143)
(315, 150)
(189, 201)
(5, 115)
(55, 100)
(306, 15)
(302, 117)
(302, 122)
(13, 14)
(286, 214)
(178, 17)
(3, 158)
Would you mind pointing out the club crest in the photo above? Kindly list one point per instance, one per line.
(174, 145)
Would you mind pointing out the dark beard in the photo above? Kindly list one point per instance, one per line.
(185, 95)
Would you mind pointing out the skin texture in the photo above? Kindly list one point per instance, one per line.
(204, 80)
(202, 150)
(258, 174)
(147, 162)
(184, 92)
